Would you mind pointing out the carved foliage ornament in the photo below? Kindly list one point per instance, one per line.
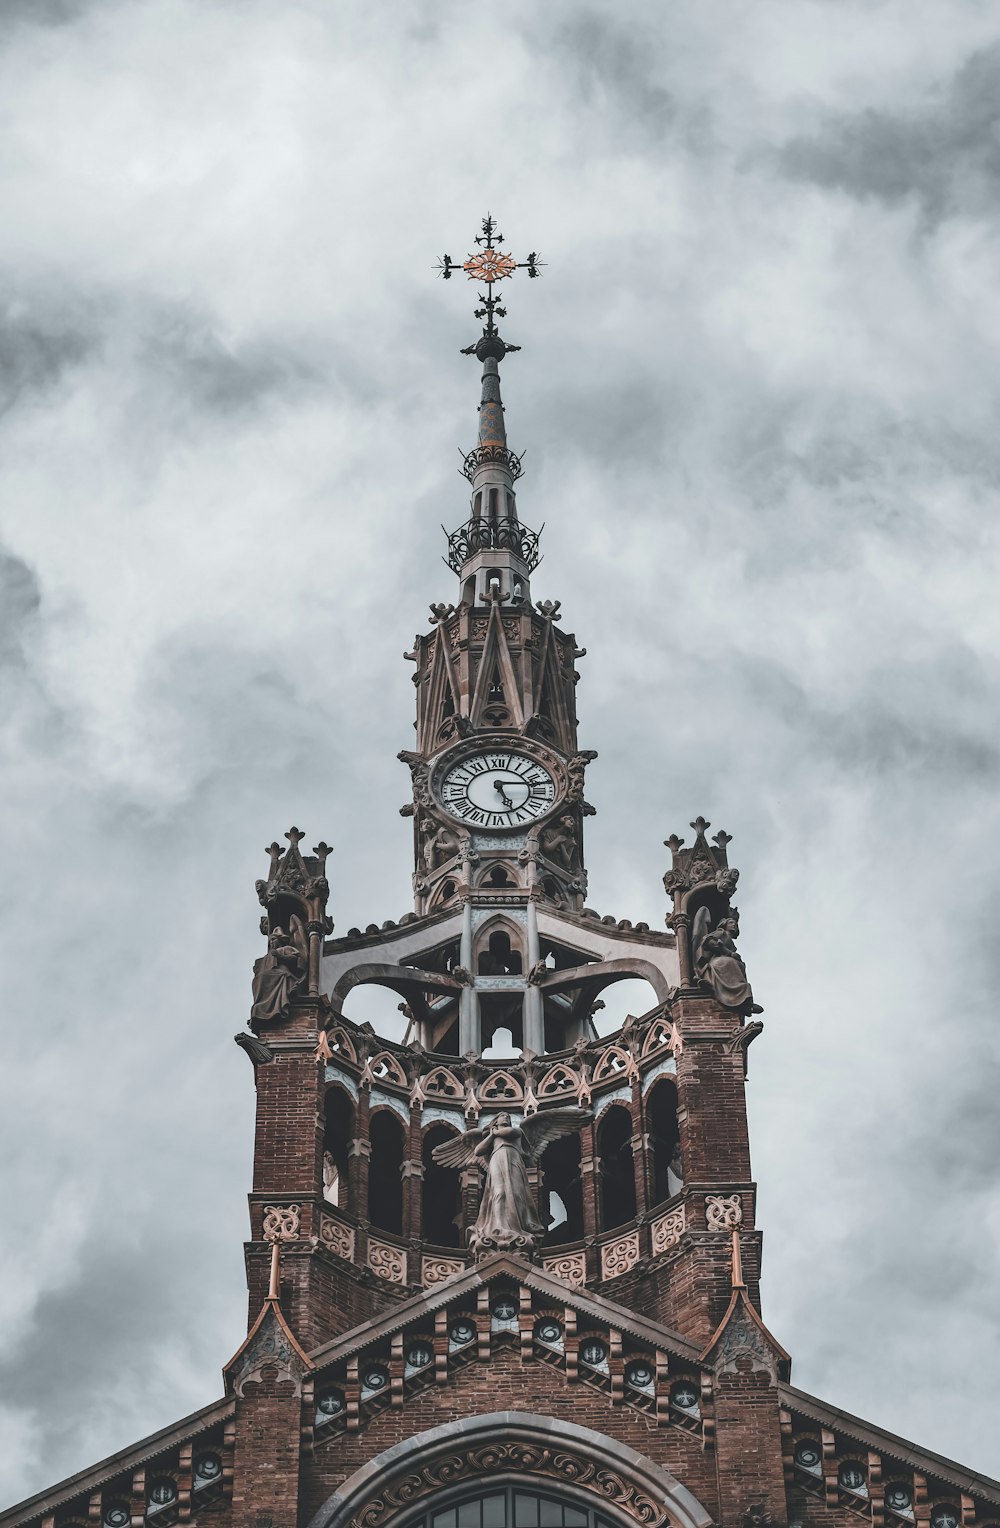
(525, 1458)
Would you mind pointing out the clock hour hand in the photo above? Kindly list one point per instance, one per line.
(498, 787)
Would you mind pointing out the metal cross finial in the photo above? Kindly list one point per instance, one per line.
(489, 265)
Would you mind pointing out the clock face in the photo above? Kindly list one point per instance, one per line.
(498, 790)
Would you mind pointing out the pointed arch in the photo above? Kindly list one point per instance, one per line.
(496, 662)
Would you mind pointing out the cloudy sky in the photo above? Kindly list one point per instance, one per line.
(758, 397)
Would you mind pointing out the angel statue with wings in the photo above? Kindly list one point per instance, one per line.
(508, 1220)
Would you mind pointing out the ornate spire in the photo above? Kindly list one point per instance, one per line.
(493, 534)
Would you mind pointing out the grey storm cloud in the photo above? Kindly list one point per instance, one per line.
(943, 152)
(757, 399)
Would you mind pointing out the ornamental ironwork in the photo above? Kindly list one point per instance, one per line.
(489, 455)
(506, 535)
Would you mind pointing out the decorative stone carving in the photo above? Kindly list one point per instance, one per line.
(337, 1237)
(619, 1256)
(571, 1267)
(269, 1347)
(434, 1270)
(553, 1463)
(743, 1338)
(442, 1083)
(383, 1068)
(667, 1230)
(387, 1261)
(660, 1033)
(501, 1088)
(723, 1212)
(559, 1079)
(508, 1219)
(281, 1222)
(615, 1062)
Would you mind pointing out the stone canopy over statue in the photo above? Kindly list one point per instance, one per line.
(508, 1220)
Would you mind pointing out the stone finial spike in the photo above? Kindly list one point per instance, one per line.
(673, 843)
(722, 838)
(294, 836)
(322, 849)
(737, 1261)
(274, 1287)
(701, 824)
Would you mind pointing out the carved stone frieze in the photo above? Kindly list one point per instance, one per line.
(667, 1230)
(618, 1256)
(337, 1237)
(723, 1212)
(387, 1261)
(571, 1267)
(555, 1464)
(434, 1270)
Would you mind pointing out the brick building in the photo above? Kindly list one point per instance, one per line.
(553, 1322)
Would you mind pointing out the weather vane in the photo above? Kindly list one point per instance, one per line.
(489, 265)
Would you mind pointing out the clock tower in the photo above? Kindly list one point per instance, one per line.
(503, 1260)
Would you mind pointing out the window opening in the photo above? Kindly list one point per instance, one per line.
(664, 1137)
(498, 959)
(441, 1197)
(337, 1133)
(385, 1173)
(614, 1149)
(562, 1183)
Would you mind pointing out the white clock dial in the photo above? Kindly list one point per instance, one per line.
(498, 790)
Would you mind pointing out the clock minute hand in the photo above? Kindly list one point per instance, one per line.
(498, 787)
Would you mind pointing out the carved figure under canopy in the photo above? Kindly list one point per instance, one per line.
(718, 964)
(508, 1219)
(279, 974)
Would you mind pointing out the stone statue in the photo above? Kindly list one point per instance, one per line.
(508, 1219)
(279, 974)
(440, 843)
(560, 842)
(717, 961)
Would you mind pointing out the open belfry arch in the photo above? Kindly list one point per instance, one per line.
(505, 1272)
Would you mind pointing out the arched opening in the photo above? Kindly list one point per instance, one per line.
(499, 876)
(617, 1175)
(385, 1172)
(634, 996)
(479, 1464)
(441, 1197)
(562, 1190)
(338, 1132)
(516, 1505)
(664, 1140)
(499, 958)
